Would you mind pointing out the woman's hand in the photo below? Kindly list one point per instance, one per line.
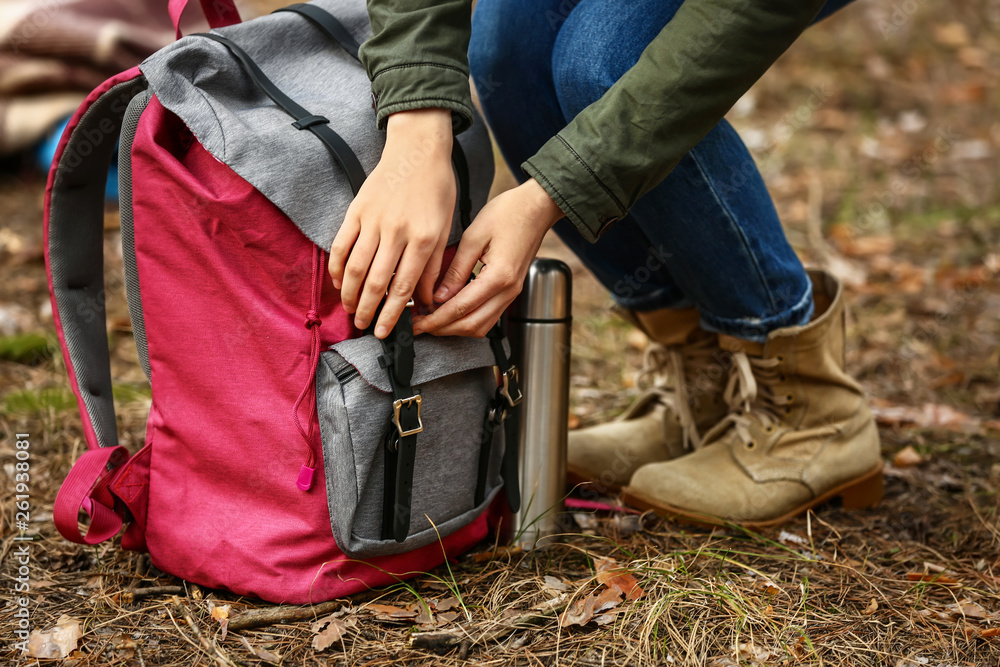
(399, 222)
(505, 236)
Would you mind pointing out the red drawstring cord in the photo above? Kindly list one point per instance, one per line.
(312, 323)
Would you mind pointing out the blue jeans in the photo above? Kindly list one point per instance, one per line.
(708, 235)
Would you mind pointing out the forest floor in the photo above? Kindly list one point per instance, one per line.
(878, 134)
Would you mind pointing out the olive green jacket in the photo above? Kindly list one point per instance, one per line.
(624, 144)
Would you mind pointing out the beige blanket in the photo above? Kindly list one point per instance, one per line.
(53, 52)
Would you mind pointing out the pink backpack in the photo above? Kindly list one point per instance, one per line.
(287, 455)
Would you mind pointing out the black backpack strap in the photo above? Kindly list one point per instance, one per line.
(401, 437)
(329, 24)
(464, 187)
(303, 120)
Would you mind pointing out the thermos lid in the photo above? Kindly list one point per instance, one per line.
(547, 293)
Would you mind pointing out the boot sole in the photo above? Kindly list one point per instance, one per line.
(863, 492)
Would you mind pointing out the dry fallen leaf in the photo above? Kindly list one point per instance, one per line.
(967, 609)
(447, 617)
(387, 609)
(260, 653)
(768, 587)
(424, 615)
(907, 457)
(447, 603)
(749, 651)
(333, 633)
(554, 584)
(56, 642)
(221, 614)
(871, 608)
(582, 611)
(618, 579)
(606, 619)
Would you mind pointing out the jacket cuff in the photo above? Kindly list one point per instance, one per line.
(423, 86)
(575, 188)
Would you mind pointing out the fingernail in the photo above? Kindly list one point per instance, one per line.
(359, 323)
(337, 284)
(380, 331)
(441, 294)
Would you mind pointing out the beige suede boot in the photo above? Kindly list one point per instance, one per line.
(689, 373)
(799, 432)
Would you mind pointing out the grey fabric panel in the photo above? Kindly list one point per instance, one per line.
(354, 417)
(76, 252)
(132, 293)
(202, 83)
(435, 356)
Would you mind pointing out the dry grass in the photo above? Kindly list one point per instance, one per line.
(914, 582)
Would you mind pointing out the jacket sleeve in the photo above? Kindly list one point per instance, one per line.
(624, 144)
(417, 57)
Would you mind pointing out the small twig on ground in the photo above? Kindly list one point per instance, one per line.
(448, 639)
(139, 593)
(271, 615)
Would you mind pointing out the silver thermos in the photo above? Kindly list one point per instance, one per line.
(539, 331)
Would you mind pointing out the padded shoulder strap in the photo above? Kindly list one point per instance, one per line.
(74, 258)
(74, 250)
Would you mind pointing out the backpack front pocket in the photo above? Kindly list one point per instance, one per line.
(458, 452)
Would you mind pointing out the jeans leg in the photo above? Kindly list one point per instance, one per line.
(510, 55)
(712, 216)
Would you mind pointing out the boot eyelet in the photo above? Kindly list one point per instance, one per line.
(781, 378)
(781, 358)
(769, 429)
(751, 445)
(790, 398)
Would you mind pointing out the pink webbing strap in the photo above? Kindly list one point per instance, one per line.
(219, 13)
(86, 487)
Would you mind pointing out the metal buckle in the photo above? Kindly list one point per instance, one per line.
(497, 414)
(397, 405)
(510, 380)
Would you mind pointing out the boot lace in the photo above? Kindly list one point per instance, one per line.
(666, 368)
(752, 398)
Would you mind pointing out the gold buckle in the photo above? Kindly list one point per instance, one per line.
(513, 401)
(397, 405)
